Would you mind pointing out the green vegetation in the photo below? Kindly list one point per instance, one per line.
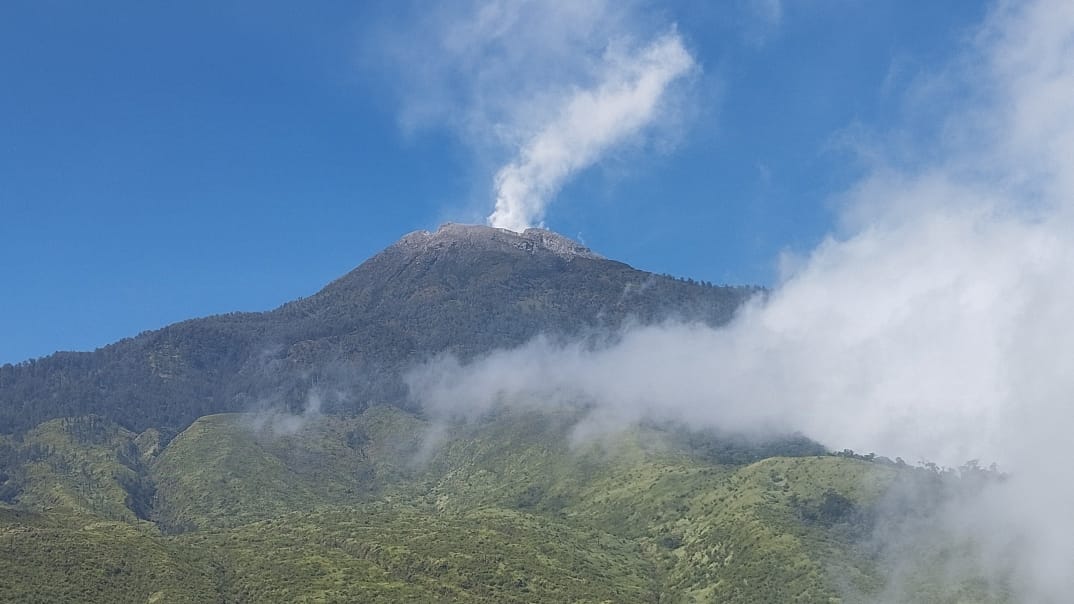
(398, 554)
(63, 557)
(85, 465)
(383, 506)
(225, 470)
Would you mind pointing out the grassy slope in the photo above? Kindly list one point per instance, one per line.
(229, 470)
(63, 557)
(83, 466)
(380, 507)
(395, 554)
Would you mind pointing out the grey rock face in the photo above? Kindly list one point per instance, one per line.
(479, 237)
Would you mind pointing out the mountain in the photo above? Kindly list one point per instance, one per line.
(193, 464)
(463, 289)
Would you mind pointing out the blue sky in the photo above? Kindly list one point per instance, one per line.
(160, 162)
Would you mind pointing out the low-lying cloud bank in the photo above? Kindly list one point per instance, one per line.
(935, 326)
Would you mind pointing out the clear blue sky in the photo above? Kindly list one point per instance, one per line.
(164, 161)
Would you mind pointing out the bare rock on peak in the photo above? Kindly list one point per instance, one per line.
(473, 236)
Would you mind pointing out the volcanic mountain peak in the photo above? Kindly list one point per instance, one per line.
(532, 240)
(463, 289)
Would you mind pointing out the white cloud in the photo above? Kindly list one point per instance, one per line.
(271, 418)
(540, 88)
(936, 325)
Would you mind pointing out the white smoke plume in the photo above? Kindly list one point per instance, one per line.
(540, 89)
(590, 121)
(935, 325)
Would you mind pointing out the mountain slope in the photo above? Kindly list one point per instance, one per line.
(69, 558)
(463, 289)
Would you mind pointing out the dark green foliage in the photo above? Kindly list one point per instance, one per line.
(140, 490)
(732, 448)
(832, 508)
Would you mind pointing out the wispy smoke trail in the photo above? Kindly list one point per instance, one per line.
(540, 89)
(590, 122)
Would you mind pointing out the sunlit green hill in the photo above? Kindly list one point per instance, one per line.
(387, 506)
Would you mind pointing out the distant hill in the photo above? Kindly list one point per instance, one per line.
(464, 289)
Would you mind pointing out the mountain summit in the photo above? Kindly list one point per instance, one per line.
(464, 290)
(462, 236)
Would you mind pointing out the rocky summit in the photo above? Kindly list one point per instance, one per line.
(453, 236)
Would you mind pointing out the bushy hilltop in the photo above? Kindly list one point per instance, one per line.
(463, 289)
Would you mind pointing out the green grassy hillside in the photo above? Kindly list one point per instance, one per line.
(385, 506)
(399, 554)
(62, 557)
(85, 465)
(231, 469)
